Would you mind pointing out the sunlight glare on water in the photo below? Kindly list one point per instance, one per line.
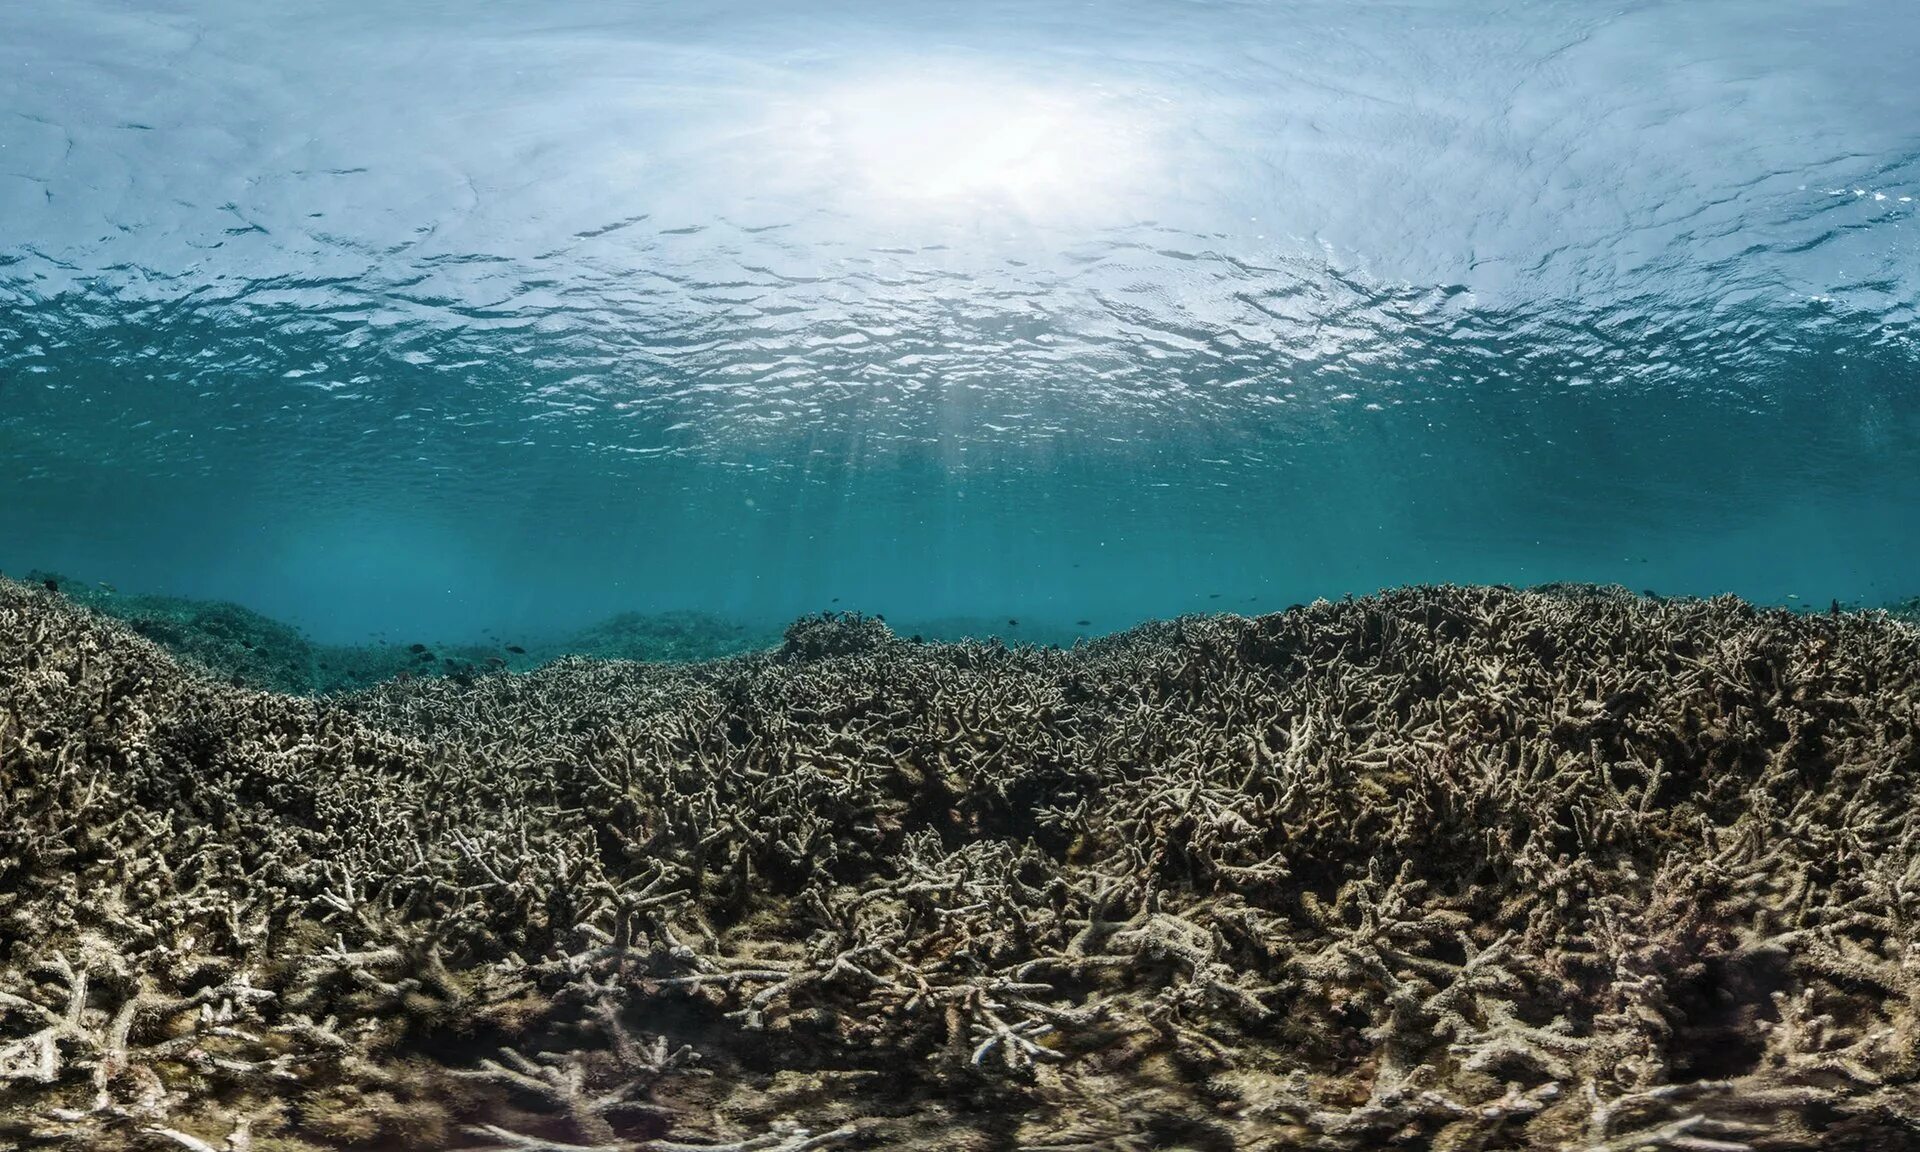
(919, 140)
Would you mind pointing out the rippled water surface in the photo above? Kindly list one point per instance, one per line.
(383, 317)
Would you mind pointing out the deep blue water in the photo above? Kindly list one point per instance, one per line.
(425, 318)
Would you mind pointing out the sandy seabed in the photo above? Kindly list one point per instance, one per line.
(1450, 868)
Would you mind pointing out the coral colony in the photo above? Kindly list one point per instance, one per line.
(1443, 868)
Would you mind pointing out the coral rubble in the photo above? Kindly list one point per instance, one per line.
(1445, 868)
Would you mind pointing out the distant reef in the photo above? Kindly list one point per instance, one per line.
(250, 650)
(1445, 868)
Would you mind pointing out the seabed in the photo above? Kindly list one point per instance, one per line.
(1449, 868)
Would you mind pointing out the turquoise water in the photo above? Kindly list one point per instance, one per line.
(429, 319)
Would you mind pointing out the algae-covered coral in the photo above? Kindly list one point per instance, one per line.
(1449, 868)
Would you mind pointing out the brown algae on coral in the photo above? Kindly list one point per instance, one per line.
(1458, 868)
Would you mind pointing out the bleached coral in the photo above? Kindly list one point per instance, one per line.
(1464, 868)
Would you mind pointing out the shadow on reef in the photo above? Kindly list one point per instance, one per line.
(1451, 868)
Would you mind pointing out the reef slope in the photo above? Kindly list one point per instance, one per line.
(1449, 868)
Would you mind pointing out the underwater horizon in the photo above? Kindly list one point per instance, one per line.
(419, 324)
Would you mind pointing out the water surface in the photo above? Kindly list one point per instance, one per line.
(429, 317)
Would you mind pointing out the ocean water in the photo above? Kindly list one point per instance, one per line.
(428, 319)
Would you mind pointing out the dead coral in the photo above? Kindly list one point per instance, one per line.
(1459, 868)
(833, 634)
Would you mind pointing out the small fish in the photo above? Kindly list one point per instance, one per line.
(835, 600)
(1012, 623)
(1213, 595)
(110, 588)
(1792, 596)
(1083, 623)
(516, 650)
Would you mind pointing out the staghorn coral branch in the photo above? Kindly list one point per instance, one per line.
(506, 1140)
(793, 1139)
(1424, 868)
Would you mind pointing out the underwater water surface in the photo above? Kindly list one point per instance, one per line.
(428, 319)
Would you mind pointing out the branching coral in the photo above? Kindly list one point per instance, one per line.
(1459, 868)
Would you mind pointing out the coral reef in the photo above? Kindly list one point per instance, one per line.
(223, 639)
(250, 650)
(1453, 868)
(667, 637)
(949, 629)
